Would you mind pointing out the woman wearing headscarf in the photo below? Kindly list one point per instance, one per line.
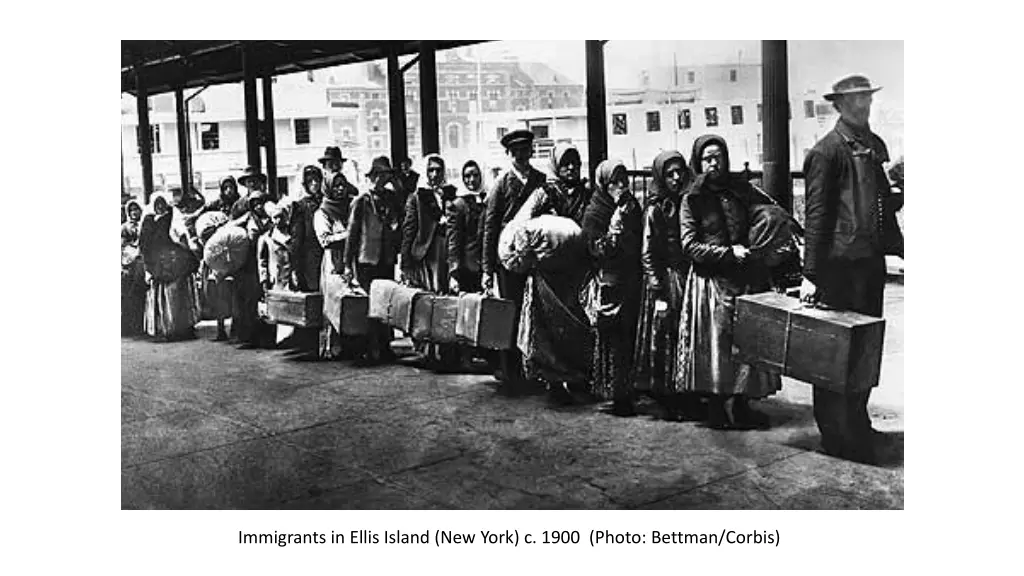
(133, 276)
(331, 225)
(246, 325)
(555, 336)
(565, 194)
(465, 215)
(425, 246)
(714, 223)
(665, 271)
(372, 248)
(612, 228)
(171, 311)
(215, 290)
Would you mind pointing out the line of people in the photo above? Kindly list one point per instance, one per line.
(646, 308)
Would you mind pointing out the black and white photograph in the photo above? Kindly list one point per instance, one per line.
(507, 274)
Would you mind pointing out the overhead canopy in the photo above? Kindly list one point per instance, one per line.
(170, 64)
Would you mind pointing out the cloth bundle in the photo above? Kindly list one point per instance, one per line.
(546, 243)
(227, 250)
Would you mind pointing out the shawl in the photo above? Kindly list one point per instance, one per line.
(659, 188)
(602, 206)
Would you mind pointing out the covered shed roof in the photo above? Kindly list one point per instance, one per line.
(169, 64)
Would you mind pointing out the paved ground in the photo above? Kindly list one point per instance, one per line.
(204, 425)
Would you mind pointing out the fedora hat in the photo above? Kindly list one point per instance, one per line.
(332, 153)
(516, 137)
(251, 172)
(380, 164)
(851, 85)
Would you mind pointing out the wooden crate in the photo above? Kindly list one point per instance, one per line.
(300, 309)
(344, 309)
(840, 351)
(486, 322)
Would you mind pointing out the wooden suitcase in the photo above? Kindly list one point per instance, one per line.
(486, 322)
(344, 309)
(400, 308)
(300, 309)
(840, 351)
(422, 315)
(443, 319)
(381, 292)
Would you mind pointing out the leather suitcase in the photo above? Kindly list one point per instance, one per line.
(422, 316)
(486, 322)
(443, 319)
(300, 309)
(840, 351)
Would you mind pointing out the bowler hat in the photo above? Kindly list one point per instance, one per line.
(516, 137)
(851, 85)
(380, 164)
(332, 153)
(251, 172)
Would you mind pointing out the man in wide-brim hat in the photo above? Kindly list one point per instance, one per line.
(254, 181)
(845, 234)
(332, 155)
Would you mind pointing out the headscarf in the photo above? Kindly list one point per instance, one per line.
(227, 179)
(437, 158)
(659, 188)
(463, 190)
(558, 154)
(698, 147)
(602, 205)
(128, 209)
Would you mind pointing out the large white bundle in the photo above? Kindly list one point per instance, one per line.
(227, 250)
(545, 242)
(208, 223)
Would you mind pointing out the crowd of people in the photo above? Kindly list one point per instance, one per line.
(648, 308)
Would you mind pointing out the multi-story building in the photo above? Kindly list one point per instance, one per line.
(343, 106)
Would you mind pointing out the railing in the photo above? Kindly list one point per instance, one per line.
(640, 179)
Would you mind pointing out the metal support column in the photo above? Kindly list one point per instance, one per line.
(252, 119)
(270, 137)
(428, 99)
(597, 121)
(144, 136)
(775, 105)
(183, 144)
(396, 110)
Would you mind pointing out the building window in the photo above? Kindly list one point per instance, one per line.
(154, 139)
(539, 131)
(210, 135)
(472, 94)
(346, 134)
(737, 115)
(690, 77)
(732, 75)
(711, 117)
(453, 136)
(759, 112)
(684, 119)
(619, 126)
(809, 108)
(502, 132)
(453, 106)
(375, 96)
(375, 143)
(654, 121)
(301, 131)
(492, 104)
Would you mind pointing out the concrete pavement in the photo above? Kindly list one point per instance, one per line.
(204, 425)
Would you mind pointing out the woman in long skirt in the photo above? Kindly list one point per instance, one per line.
(425, 249)
(246, 324)
(133, 276)
(612, 228)
(554, 333)
(171, 299)
(665, 271)
(714, 232)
